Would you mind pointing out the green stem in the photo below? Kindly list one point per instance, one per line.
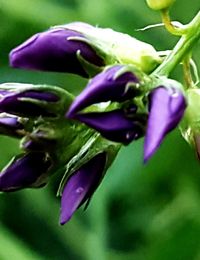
(170, 27)
(184, 45)
(187, 72)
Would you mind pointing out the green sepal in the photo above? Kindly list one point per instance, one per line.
(95, 145)
(115, 47)
(89, 68)
(124, 49)
(190, 124)
(158, 81)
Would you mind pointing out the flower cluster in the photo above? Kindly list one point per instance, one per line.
(121, 103)
(35, 114)
(22, 108)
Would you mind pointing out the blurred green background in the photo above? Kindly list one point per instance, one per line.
(149, 212)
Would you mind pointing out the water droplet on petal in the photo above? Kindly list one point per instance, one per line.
(79, 190)
(130, 135)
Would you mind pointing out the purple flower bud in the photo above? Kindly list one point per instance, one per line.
(56, 50)
(81, 186)
(114, 84)
(10, 125)
(26, 170)
(113, 125)
(28, 103)
(167, 106)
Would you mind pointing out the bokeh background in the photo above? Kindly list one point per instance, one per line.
(140, 212)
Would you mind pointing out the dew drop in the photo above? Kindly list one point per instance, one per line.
(129, 136)
(79, 190)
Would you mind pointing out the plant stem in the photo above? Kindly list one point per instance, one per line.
(187, 72)
(184, 45)
(169, 26)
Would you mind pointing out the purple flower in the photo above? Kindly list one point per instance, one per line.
(113, 125)
(116, 83)
(59, 50)
(166, 108)
(81, 186)
(26, 170)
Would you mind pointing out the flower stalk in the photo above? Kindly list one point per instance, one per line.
(178, 31)
(184, 45)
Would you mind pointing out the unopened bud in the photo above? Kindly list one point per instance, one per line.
(60, 50)
(117, 83)
(167, 104)
(25, 171)
(159, 4)
(120, 47)
(29, 100)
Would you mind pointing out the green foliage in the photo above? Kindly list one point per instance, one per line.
(140, 212)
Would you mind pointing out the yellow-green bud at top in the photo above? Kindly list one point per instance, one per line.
(159, 4)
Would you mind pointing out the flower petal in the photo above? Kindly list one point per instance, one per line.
(81, 185)
(105, 86)
(113, 125)
(24, 171)
(55, 50)
(167, 106)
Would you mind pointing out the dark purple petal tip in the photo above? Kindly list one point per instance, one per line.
(81, 186)
(55, 50)
(24, 172)
(105, 86)
(39, 95)
(113, 125)
(167, 106)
